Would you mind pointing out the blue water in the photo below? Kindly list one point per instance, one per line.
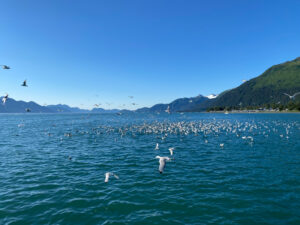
(50, 177)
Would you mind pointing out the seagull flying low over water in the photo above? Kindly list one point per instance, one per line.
(108, 174)
(24, 84)
(162, 162)
(4, 98)
(171, 150)
(168, 110)
(5, 67)
(157, 146)
(292, 96)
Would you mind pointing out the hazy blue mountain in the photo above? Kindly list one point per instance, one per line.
(61, 108)
(13, 106)
(100, 110)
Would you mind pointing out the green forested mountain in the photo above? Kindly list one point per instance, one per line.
(268, 88)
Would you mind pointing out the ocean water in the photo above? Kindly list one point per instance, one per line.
(52, 169)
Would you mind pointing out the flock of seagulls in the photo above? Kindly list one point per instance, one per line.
(207, 131)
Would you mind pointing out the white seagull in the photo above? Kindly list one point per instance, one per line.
(157, 146)
(108, 174)
(4, 98)
(171, 150)
(292, 96)
(162, 162)
(168, 110)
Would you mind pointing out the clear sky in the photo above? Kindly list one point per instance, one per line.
(86, 52)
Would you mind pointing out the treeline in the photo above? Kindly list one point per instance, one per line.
(292, 106)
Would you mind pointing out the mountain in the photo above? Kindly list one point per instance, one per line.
(178, 105)
(268, 88)
(13, 106)
(60, 108)
(100, 110)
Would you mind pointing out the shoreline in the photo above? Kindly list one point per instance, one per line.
(258, 112)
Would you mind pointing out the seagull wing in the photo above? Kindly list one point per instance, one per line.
(287, 94)
(296, 94)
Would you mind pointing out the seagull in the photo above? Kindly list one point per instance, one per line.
(96, 105)
(4, 98)
(24, 84)
(222, 145)
(168, 110)
(157, 146)
(130, 96)
(162, 162)
(5, 67)
(292, 96)
(108, 174)
(171, 150)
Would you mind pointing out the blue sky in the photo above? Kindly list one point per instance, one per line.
(86, 52)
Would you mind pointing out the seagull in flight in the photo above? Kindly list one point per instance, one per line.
(4, 98)
(5, 67)
(162, 162)
(168, 110)
(24, 84)
(108, 174)
(292, 96)
(171, 150)
(130, 96)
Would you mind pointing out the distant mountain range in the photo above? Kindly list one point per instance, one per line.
(13, 106)
(268, 88)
